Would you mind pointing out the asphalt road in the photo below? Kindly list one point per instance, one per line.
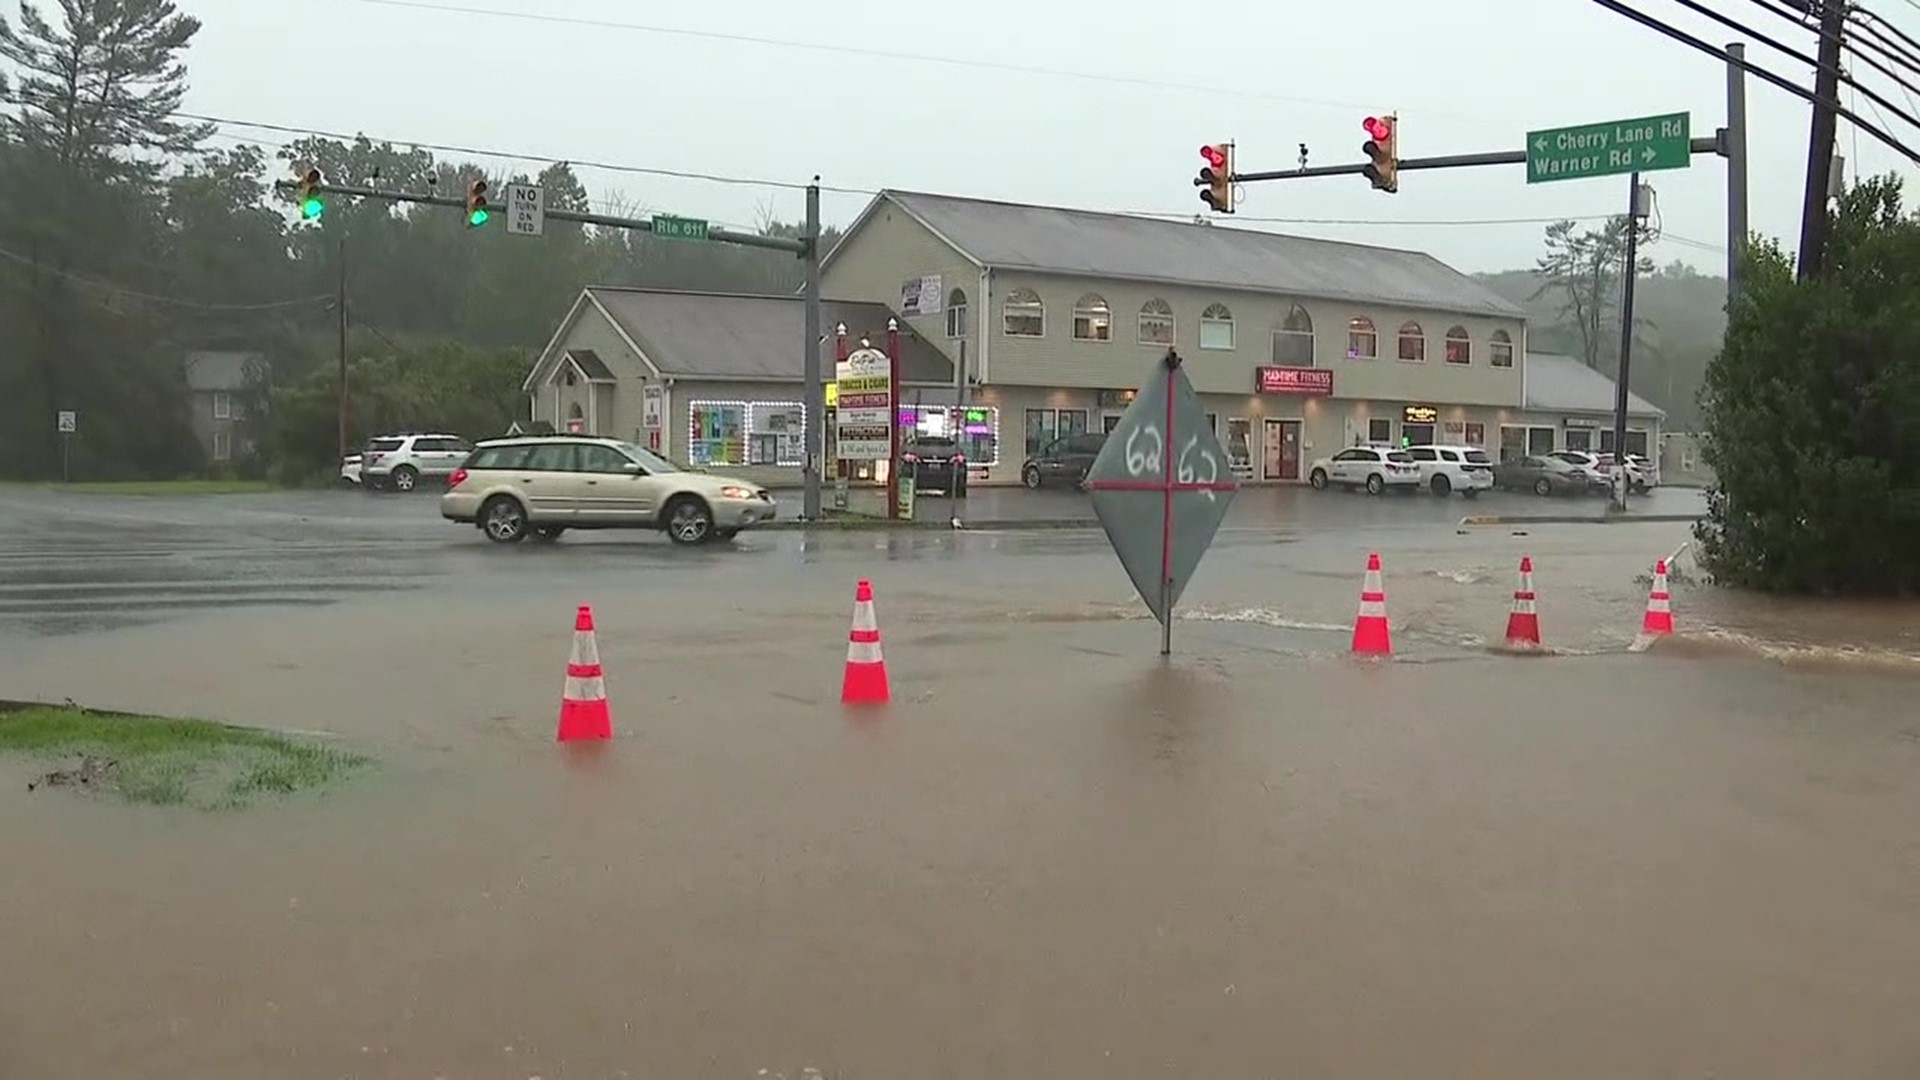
(1053, 855)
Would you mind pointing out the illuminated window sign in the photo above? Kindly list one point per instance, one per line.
(978, 429)
(1419, 414)
(1299, 382)
(766, 433)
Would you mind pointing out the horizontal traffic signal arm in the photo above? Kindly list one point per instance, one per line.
(725, 236)
(1704, 145)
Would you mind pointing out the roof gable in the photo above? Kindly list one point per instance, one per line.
(698, 335)
(224, 371)
(1086, 243)
(1557, 383)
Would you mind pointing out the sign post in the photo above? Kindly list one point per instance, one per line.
(893, 423)
(1643, 144)
(1160, 488)
(66, 422)
(526, 210)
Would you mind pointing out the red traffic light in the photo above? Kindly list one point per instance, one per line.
(1215, 156)
(1377, 128)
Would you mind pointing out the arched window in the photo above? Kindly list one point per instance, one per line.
(1413, 343)
(1216, 327)
(1459, 346)
(1156, 323)
(1293, 339)
(1023, 315)
(957, 313)
(1500, 349)
(1092, 319)
(1363, 343)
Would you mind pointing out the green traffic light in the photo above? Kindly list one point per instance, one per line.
(311, 208)
(476, 219)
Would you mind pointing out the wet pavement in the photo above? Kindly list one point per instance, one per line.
(1053, 855)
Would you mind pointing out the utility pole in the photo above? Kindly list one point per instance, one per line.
(1634, 203)
(340, 309)
(1736, 152)
(1820, 134)
(816, 428)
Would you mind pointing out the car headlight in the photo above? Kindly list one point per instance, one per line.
(737, 493)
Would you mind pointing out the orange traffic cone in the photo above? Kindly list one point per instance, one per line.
(583, 703)
(1659, 617)
(1370, 634)
(865, 682)
(1523, 624)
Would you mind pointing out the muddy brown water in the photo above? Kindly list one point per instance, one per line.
(1053, 855)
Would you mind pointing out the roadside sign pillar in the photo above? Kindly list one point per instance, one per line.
(893, 419)
(815, 452)
(66, 422)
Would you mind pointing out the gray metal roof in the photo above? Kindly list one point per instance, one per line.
(229, 371)
(1557, 383)
(591, 364)
(1084, 243)
(696, 335)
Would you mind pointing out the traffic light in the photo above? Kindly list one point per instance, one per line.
(477, 204)
(1383, 151)
(1217, 177)
(308, 196)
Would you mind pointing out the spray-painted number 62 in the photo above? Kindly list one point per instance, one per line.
(1144, 459)
(1193, 463)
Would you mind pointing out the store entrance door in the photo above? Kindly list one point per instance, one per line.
(1282, 458)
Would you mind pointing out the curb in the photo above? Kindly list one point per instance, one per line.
(1567, 519)
(882, 524)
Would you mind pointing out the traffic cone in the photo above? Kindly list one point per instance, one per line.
(583, 703)
(1370, 634)
(1659, 617)
(865, 682)
(1523, 624)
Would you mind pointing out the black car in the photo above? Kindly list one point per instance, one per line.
(1067, 458)
(937, 464)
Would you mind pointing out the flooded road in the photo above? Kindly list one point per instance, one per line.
(1053, 855)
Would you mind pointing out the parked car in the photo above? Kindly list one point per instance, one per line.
(1600, 467)
(1447, 469)
(1648, 473)
(1542, 475)
(1067, 458)
(543, 485)
(937, 464)
(400, 460)
(350, 470)
(1375, 468)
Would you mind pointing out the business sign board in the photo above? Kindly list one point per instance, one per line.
(863, 406)
(1301, 382)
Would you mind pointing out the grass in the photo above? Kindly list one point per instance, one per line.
(169, 487)
(173, 762)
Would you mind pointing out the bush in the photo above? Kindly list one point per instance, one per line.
(1812, 413)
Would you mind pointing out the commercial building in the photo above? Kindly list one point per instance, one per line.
(1297, 347)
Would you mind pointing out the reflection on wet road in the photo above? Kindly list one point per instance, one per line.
(1054, 855)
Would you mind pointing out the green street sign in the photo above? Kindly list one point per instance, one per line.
(1648, 144)
(679, 228)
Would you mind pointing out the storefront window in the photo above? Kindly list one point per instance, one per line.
(1580, 439)
(976, 427)
(1045, 425)
(1476, 434)
(1539, 440)
(1239, 446)
(769, 433)
(1380, 430)
(1636, 441)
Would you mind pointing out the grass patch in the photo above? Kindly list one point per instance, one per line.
(169, 487)
(169, 762)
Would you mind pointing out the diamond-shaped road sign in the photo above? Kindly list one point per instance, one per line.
(1160, 487)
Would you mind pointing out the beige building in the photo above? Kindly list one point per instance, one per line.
(1297, 347)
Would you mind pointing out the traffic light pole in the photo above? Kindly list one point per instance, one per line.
(1707, 145)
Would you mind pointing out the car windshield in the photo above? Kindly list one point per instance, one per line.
(933, 444)
(1400, 457)
(651, 461)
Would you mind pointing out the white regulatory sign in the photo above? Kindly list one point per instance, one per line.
(67, 421)
(526, 210)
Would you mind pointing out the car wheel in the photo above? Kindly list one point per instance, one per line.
(1442, 486)
(405, 478)
(504, 520)
(548, 532)
(1375, 485)
(1543, 487)
(1030, 476)
(1318, 479)
(689, 521)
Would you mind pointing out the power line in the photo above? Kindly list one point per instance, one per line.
(1689, 40)
(1734, 24)
(1404, 222)
(878, 53)
(106, 286)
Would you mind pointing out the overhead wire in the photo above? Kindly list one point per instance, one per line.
(175, 301)
(1773, 43)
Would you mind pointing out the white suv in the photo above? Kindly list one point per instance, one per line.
(1446, 469)
(401, 461)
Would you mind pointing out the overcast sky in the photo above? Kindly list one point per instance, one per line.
(673, 86)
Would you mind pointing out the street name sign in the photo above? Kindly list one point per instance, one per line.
(863, 408)
(526, 210)
(1645, 144)
(1160, 487)
(669, 227)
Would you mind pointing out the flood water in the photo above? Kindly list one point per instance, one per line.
(1053, 855)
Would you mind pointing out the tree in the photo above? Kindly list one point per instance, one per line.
(1813, 413)
(1581, 270)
